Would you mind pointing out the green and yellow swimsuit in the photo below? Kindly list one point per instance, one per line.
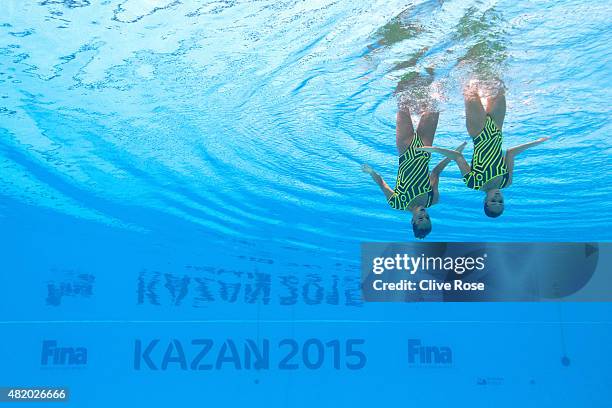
(412, 177)
(488, 161)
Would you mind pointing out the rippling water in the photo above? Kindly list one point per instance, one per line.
(236, 123)
(160, 159)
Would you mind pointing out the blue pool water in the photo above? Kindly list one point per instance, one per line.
(145, 142)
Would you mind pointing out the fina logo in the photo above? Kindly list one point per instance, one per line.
(52, 355)
(419, 354)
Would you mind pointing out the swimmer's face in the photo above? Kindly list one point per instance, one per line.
(494, 203)
(421, 224)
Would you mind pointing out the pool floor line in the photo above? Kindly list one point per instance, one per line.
(299, 321)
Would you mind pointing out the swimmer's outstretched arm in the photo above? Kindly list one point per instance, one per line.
(512, 152)
(455, 155)
(434, 177)
(378, 179)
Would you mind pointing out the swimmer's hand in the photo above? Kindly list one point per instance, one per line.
(461, 147)
(367, 169)
(451, 154)
(378, 179)
(434, 177)
(455, 155)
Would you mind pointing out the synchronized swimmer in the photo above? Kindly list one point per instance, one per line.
(416, 188)
(490, 170)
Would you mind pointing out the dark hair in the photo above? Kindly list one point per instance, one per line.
(491, 213)
(422, 232)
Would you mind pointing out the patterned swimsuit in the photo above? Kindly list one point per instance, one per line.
(488, 161)
(412, 177)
